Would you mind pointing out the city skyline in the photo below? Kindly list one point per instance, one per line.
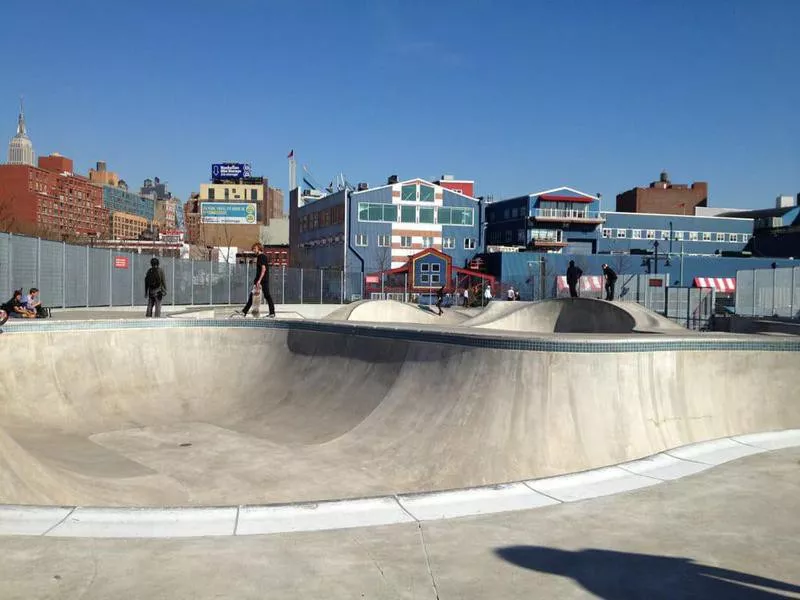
(601, 100)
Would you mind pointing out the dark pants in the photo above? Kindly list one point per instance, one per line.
(439, 305)
(573, 290)
(154, 304)
(610, 289)
(265, 293)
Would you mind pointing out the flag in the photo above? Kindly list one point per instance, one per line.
(291, 154)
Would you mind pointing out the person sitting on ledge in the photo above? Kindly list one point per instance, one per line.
(34, 304)
(15, 308)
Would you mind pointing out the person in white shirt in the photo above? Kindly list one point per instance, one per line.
(512, 295)
(488, 293)
(466, 296)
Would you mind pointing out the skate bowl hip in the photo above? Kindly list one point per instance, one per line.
(574, 315)
(392, 311)
(211, 413)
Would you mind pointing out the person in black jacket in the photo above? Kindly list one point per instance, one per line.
(440, 299)
(261, 282)
(611, 280)
(573, 278)
(155, 288)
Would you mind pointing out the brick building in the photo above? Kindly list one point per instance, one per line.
(125, 226)
(664, 197)
(51, 200)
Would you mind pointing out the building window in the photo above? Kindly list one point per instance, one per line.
(706, 236)
(520, 236)
(211, 195)
(507, 236)
(746, 237)
(733, 237)
(665, 234)
(426, 194)
(651, 234)
(692, 236)
(621, 233)
(408, 214)
(409, 193)
(506, 214)
(470, 243)
(720, 237)
(361, 239)
(227, 194)
(514, 213)
(606, 233)
(384, 241)
(448, 243)
(436, 267)
(426, 215)
(254, 194)
(636, 234)
(427, 242)
(455, 216)
(405, 241)
(490, 216)
(678, 236)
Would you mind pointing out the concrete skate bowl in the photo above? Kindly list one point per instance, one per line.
(392, 311)
(230, 413)
(574, 315)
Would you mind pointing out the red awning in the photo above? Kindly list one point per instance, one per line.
(554, 198)
(724, 285)
(588, 283)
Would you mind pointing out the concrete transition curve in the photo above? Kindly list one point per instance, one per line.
(232, 413)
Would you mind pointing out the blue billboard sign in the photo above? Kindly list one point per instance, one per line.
(228, 213)
(223, 171)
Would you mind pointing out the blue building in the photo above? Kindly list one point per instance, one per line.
(688, 234)
(558, 220)
(118, 199)
(380, 229)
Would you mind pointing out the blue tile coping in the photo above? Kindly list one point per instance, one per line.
(572, 343)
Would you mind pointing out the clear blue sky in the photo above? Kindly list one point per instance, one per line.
(520, 96)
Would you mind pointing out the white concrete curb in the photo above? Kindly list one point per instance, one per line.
(123, 522)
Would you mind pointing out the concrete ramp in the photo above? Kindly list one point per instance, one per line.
(192, 415)
(392, 311)
(573, 315)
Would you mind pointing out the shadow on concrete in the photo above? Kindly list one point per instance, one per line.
(625, 576)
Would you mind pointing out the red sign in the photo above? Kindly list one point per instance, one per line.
(655, 283)
(121, 262)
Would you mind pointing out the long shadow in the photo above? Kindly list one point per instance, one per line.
(626, 576)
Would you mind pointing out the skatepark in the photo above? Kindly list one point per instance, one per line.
(378, 414)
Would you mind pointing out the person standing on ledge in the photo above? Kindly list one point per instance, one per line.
(574, 275)
(611, 281)
(261, 281)
(155, 288)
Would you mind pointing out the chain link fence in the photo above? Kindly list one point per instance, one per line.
(768, 293)
(79, 276)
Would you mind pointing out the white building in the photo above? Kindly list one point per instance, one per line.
(20, 149)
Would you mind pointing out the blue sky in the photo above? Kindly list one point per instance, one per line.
(520, 96)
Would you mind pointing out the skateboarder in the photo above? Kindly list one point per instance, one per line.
(440, 299)
(261, 281)
(155, 287)
(611, 281)
(573, 278)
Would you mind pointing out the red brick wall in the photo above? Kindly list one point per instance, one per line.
(676, 200)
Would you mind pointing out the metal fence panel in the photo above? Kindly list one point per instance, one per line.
(293, 287)
(99, 277)
(796, 293)
(5, 267)
(76, 275)
(183, 282)
(782, 293)
(122, 279)
(240, 283)
(220, 283)
(764, 292)
(201, 282)
(24, 261)
(312, 279)
(745, 293)
(51, 273)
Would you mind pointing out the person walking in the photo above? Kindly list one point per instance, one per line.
(155, 288)
(466, 295)
(440, 299)
(574, 275)
(611, 281)
(487, 294)
(261, 281)
(512, 295)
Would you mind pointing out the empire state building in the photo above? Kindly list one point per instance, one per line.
(20, 148)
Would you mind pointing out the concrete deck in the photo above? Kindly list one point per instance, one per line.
(731, 532)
